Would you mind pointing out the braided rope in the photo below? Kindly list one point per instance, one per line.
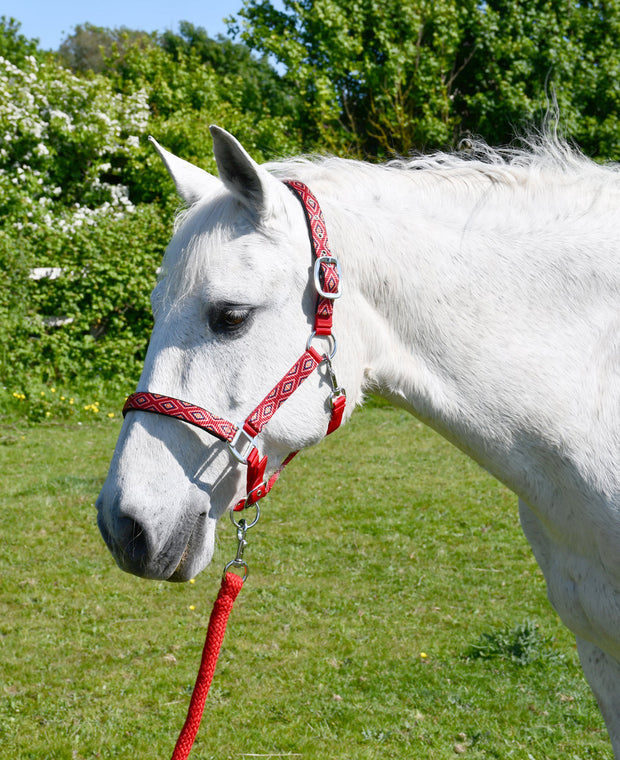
(231, 585)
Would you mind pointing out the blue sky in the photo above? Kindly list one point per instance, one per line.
(52, 20)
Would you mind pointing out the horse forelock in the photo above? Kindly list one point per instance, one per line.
(202, 237)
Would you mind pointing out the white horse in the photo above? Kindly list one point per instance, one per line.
(482, 294)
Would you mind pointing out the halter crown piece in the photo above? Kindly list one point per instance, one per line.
(240, 438)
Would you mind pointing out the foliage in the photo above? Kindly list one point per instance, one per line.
(88, 48)
(102, 299)
(380, 76)
(375, 75)
(67, 141)
(13, 45)
(354, 575)
(82, 192)
(516, 54)
(256, 86)
(522, 643)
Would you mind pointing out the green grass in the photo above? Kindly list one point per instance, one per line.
(393, 610)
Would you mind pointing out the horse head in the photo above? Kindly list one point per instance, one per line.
(233, 310)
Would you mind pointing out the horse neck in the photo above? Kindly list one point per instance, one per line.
(471, 317)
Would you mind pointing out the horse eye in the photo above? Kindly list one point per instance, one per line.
(228, 319)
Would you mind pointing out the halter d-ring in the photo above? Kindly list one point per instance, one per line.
(331, 339)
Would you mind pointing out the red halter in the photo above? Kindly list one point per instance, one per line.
(240, 438)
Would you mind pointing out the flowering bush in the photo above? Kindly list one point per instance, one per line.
(83, 196)
(64, 142)
(64, 145)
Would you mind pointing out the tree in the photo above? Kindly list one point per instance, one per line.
(15, 47)
(258, 86)
(88, 48)
(383, 76)
(520, 55)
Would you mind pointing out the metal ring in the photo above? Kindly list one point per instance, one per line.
(328, 337)
(238, 563)
(247, 525)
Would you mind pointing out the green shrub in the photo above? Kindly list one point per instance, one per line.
(523, 644)
(109, 269)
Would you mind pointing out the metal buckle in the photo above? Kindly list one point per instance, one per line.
(242, 452)
(317, 279)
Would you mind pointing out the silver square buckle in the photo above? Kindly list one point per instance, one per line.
(241, 445)
(317, 277)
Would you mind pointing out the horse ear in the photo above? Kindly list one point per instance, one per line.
(252, 184)
(192, 183)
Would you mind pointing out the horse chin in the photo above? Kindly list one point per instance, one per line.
(196, 555)
(190, 565)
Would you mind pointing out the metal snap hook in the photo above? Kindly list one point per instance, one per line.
(237, 563)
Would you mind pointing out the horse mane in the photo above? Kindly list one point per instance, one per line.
(543, 166)
(475, 162)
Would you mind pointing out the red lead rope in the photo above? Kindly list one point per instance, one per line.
(231, 586)
(240, 439)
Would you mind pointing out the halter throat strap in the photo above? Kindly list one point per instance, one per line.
(240, 438)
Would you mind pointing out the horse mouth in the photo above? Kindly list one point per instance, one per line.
(134, 553)
(177, 575)
(185, 566)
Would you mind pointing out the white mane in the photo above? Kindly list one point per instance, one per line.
(524, 186)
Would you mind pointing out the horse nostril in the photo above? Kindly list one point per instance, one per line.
(132, 539)
(127, 540)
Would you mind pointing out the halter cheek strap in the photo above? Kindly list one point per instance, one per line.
(240, 439)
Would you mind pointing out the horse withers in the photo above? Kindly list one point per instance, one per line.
(481, 293)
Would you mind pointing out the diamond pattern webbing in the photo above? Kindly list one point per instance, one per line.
(302, 368)
(183, 410)
(328, 272)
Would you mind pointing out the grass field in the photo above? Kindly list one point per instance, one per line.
(393, 610)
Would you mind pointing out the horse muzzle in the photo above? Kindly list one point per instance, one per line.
(137, 548)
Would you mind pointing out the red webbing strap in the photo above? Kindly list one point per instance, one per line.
(338, 407)
(182, 410)
(329, 279)
(300, 371)
(260, 487)
(231, 585)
